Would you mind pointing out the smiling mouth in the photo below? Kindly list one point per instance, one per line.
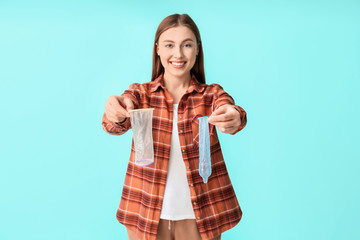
(178, 63)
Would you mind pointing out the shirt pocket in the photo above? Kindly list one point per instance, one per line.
(195, 132)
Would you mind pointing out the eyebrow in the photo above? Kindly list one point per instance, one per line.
(188, 39)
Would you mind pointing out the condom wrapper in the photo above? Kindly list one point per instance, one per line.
(141, 124)
(204, 149)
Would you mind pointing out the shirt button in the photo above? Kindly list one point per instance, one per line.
(183, 150)
(180, 117)
(191, 185)
(181, 131)
(188, 167)
(194, 203)
(198, 218)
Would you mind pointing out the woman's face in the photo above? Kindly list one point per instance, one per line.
(177, 48)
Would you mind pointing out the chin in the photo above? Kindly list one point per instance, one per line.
(179, 73)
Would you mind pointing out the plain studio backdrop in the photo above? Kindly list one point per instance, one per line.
(294, 66)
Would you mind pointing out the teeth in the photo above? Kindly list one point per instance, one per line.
(178, 64)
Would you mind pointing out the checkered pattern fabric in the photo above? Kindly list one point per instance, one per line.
(215, 204)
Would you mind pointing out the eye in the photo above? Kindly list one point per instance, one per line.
(168, 45)
(188, 45)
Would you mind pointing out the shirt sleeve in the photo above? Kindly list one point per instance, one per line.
(221, 98)
(115, 128)
(119, 128)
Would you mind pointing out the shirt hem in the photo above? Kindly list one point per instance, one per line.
(182, 217)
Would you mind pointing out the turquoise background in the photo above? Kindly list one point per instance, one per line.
(294, 66)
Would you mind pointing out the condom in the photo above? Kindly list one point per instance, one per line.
(141, 124)
(204, 149)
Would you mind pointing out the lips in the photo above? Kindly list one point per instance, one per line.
(177, 64)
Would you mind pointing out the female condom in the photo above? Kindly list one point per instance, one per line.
(141, 124)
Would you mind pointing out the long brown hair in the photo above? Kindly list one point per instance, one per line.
(174, 21)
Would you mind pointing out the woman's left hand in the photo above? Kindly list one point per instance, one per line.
(226, 118)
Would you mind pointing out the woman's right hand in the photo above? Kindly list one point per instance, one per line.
(117, 107)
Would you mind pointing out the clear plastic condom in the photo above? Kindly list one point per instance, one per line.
(141, 124)
(204, 149)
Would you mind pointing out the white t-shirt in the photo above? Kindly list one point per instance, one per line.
(177, 201)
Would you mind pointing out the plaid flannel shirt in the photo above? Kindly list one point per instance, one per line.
(215, 204)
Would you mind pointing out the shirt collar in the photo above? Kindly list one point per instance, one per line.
(194, 84)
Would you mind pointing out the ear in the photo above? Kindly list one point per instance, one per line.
(157, 49)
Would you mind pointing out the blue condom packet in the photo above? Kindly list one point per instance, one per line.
(204, 149)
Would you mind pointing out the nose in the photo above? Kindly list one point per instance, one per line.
(177, 52)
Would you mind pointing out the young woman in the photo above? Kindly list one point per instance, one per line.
(168, 199)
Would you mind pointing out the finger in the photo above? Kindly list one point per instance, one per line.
(129, 104)
(115, 103)
(109, 110)
(114, 107)
(221, 118)
(113, 115)
(223, 130)
(226, 125)
(219, 110)
(231, 130)
(119, 112)
(126, 104)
